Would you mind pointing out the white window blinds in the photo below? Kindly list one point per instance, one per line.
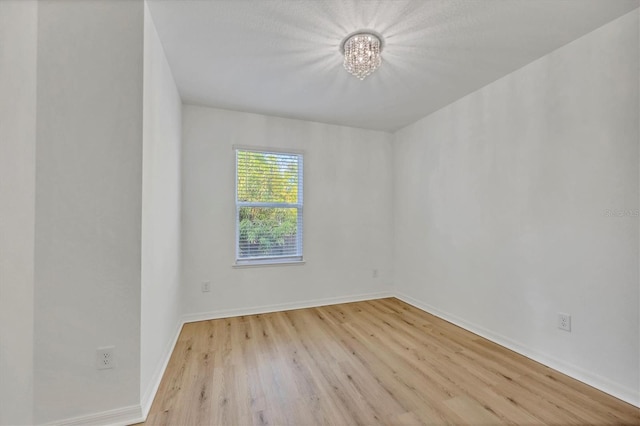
(268, 206)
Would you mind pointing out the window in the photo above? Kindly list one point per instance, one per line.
(268, 206)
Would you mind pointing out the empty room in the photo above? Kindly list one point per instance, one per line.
(319, 212)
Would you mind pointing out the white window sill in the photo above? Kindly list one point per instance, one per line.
(261, 263)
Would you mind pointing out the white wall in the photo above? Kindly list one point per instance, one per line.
(501, 199)
(18, 23)
(499, 218)
(88, 204)
(347, 212)
(160, 287)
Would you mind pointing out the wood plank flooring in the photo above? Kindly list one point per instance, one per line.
(374, 362)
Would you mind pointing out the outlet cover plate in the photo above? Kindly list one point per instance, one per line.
(105, 358)
(564, 321)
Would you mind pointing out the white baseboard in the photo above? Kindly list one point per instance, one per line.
(625, 394)
(118, 416)
(228, 313)
(152, 389)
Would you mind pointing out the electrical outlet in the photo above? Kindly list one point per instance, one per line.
(206, 286)
(564, 322)
(105, 358)
(374, 273)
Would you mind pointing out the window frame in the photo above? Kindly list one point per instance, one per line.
(296, 259)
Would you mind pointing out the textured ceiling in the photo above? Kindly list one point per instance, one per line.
(281, 57)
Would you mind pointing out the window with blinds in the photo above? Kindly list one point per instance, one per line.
(268, 206)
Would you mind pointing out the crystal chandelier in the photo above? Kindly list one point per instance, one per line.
(362, 53)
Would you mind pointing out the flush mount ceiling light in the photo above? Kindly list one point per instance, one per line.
(362, 52)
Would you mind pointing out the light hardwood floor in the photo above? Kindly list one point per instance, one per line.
(374, 362)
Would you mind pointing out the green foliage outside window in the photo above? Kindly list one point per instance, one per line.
(267, 178)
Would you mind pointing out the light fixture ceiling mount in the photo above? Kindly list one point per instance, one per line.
(361, 50)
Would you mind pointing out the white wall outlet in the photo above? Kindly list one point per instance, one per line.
(374, 273)
(105, 358)
(564, 321)
(206, 286)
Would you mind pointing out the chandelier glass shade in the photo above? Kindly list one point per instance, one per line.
(362, 53)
